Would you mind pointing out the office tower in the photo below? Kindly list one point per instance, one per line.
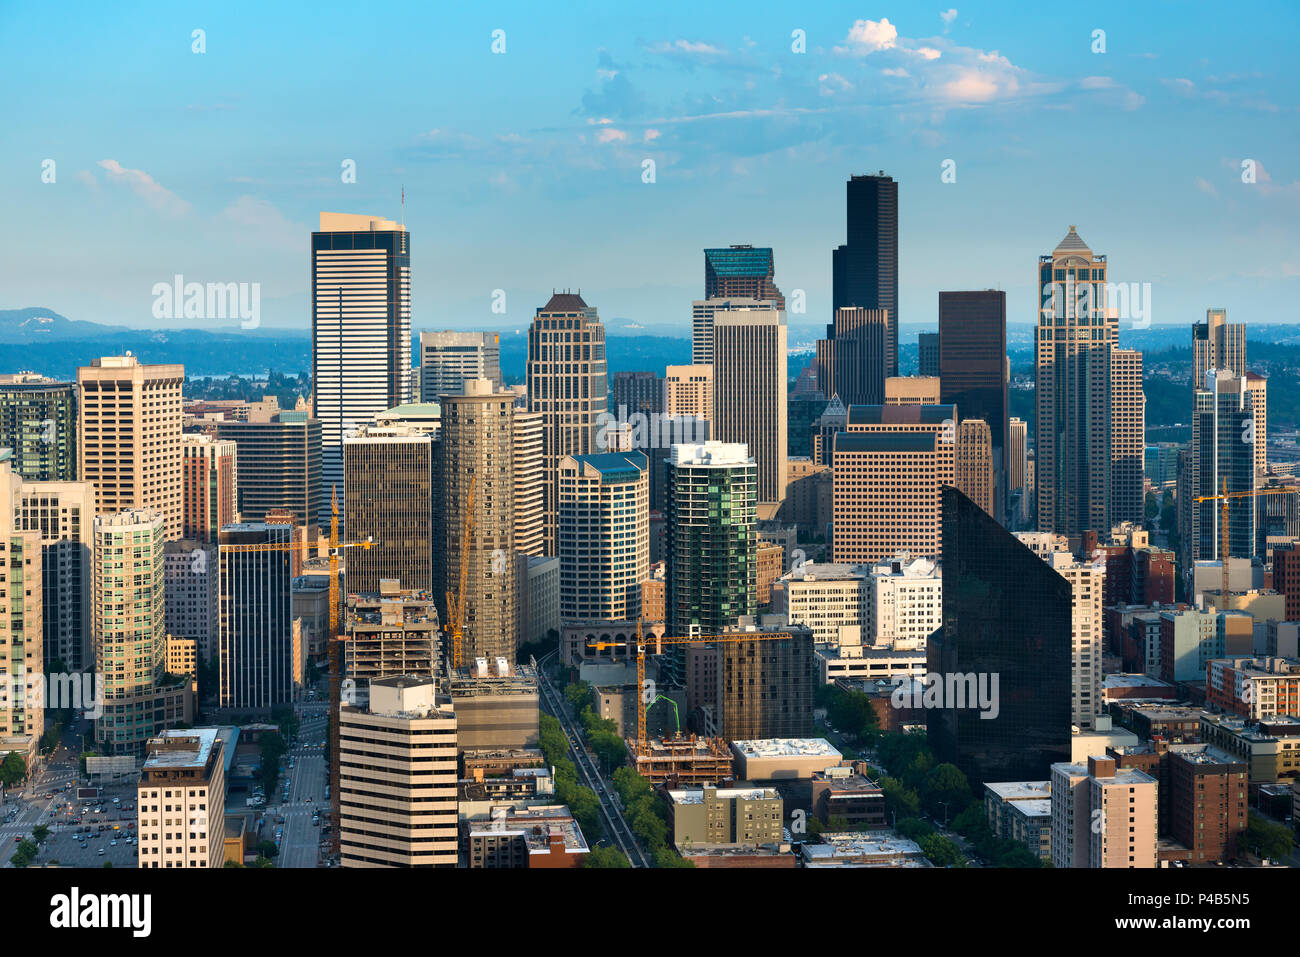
(1127, 437)
(688, 391)
(209, 497)
(61, 513)
(22, 667)
(129, 627)
(1087, 587)
(530, 481)
(391, 632)
(1072, 380)
(711, 547)
(38, 422)
(889, 468)
(834, 418)
(973, 371)
(865, 269)
(741, 272)
(853, 360)
(255, 653)
(638, 392)
(1006, 613)
(397, 777)
(181, 800)
(1217, 344)
(388, 498)
(1257, 386)
(1103, 816)
(448, 358)
(1224, 460)
(129, 436)
(749, 393)
(278, 464)
(566, 383)
(911, 390)
(604, 535)
(192, 586)
(478, 443)
(973, 465)
(766, 687)
(704, 314)
(360, 330)
(1017, 460)
(927, 352)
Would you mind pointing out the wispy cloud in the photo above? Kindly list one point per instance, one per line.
(146, 187)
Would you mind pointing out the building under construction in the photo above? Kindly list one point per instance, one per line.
(394, 632)
(683, 761)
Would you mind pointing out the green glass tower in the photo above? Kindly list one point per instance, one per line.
(38, 420)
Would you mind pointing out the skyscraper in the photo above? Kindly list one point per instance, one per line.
(1217, 344)
(1072, 379)
(688, 391)
(389, 498)
(1127, 438)
(742, 272)
(973, 371)
(865, 269)
(38, 421)
(1006, 614)
(255, 657)
(209, 496)
(927, 353)
(192, 582)
(1257, 386)
(278, 464)
(530, 480)
(638, 392)
(1224, 460)
(853, 361)
(448, 358)
(360, 328)
(973, 468)
(129, 436)
(22, 665)
(568, 384)
(766, 687)
(604, 535)
(749, 394)
(478, 443)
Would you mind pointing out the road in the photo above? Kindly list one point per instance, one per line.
(301, 839)
(615, 824)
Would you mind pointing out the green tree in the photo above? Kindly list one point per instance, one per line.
(1267, 839)
(39, 833)
(915, 829)
(268, 850)
(24, 855)
(946, 790)
(941, 851)
(107, 864)
(900, 800)
(12, 769)
(667, 857)
(606, 857)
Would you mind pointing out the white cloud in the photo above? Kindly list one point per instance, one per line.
(894, 71)
(1205, 187)
(869, 36)
(651, 135)
(146, 187)
(692, 47)
(611, 135)
(828, 84)
(947, 16)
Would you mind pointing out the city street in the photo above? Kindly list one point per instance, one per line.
(300, 841)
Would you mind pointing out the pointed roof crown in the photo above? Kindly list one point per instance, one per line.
(1072, 243)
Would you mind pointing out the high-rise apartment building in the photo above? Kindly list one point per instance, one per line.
(1127, 437)
(397, 777)
(192, 582)
(449, 358)
(853, 361)
(1076, 334)
(568, 385)
(278, 464)
(1217, 344)
(255, 653)
(992, 631)
(22, 666)
(360, 330)
(1257, 386)
(1207, 804)
(1224, 461)
(530, 482)
(389, 499)
(129, 436)
(749, 390)
(38, 422)
(478, 444)
(766, 687)
(865, 269)
(974, 468)
(604, 535)
(688, 391)
(1103, 816)
(181, 798)
(209, 493)
(889, 468)
(973, 371)
(711, 546)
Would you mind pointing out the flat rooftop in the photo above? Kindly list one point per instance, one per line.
(696, 796)
(183, 749)
(786, 748)
(1021, 790)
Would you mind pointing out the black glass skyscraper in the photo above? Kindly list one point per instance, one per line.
(972, 370)
(865, 269)
(1006, 614)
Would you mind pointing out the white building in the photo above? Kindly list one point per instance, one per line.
(181, 800)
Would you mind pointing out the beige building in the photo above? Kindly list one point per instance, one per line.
(890, 467)
(770, 559)
(129, 436)
(1257, 386)
(973, 466)
(1103, 816)
(783, 759)
(530, 478)
(688, 391)
(181, 800)
(1127, 437)
(397, 777)
(22, 665)
(749, 390)
(912, 390)
(713, 816)
(182, 656)
(390, 632)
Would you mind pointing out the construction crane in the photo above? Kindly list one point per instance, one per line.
(456, 600)
(1226, 498)
(659, 642)
(335, 638)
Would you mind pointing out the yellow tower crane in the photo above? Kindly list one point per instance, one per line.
(1226, 498)
(456, 599)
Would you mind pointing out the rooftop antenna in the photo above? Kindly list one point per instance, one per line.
(403, 207)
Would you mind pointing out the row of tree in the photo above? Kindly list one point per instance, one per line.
(580, 799)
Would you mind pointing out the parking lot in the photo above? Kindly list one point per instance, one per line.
(80, 829)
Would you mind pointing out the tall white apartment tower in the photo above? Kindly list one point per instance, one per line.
(448, 359)
(360, 330)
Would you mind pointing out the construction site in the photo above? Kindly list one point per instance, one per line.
(686, 761)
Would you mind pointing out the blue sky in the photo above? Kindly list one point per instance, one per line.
(523, 170)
